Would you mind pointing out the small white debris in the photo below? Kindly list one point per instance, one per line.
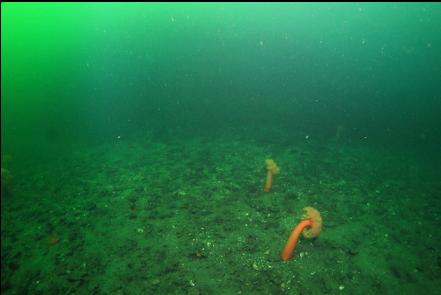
(140, 230)
(255, 266)
(341, 287)
(192, 283)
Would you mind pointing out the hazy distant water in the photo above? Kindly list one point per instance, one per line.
(87, 73)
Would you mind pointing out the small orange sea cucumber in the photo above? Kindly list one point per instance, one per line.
(310, 225)
(271, 169)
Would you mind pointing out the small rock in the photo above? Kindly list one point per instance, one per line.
(255, 266)
(155, 282)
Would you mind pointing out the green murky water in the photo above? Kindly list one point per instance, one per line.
(134, 139)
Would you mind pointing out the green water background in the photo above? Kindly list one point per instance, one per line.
(134, 139)
(80, 74)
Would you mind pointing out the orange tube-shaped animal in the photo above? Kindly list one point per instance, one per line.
(291, 244)
(269, 181)
(311, 226)
(272, 169)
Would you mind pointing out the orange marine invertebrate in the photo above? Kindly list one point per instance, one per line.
(272, 169)
(310, 225)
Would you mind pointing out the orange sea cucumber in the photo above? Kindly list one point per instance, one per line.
(311, 226)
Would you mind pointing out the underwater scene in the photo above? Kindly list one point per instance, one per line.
(220, 148)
